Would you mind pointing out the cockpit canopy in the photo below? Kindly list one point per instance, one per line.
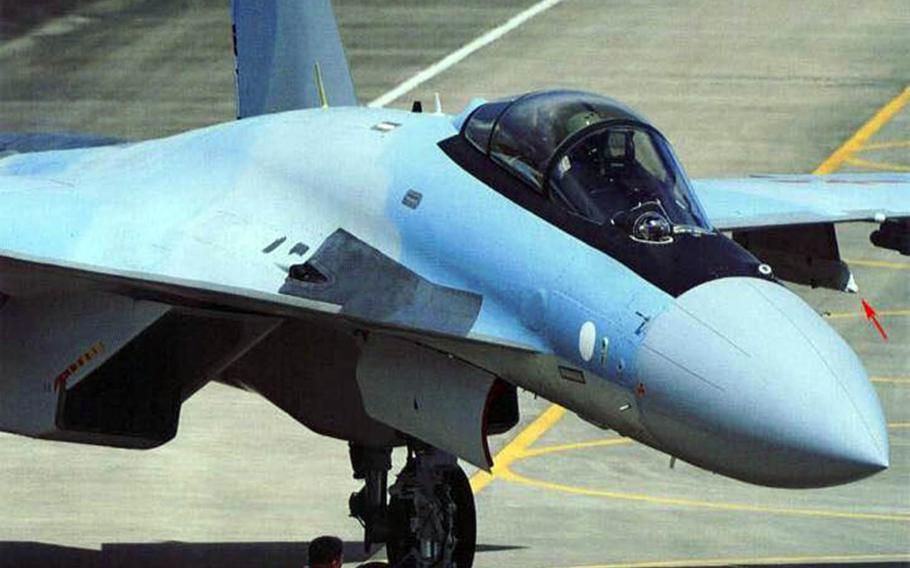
(597, 157)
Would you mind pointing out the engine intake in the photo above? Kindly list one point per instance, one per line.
(438, 399)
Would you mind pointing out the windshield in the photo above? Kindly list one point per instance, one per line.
(623, 173)
(523, 133)
(593, 156)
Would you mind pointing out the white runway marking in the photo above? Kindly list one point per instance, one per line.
(461, 53)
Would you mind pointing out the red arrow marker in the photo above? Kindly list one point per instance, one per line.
(870, 314)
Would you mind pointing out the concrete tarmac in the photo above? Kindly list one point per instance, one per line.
(738, 87)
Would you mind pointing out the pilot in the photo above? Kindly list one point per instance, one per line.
(582, 173)
(326, 552)
(577, 171)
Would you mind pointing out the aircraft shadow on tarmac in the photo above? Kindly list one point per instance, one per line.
(182, 554)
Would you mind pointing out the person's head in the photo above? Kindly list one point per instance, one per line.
(581, 120)
(326, 552)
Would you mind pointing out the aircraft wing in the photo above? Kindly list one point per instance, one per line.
(788, 220)
(119, 351)
(20, 272)
(778, 200)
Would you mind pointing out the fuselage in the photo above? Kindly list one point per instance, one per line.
(735, 373)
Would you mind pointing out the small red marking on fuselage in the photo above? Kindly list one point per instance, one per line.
(640, 391)
(72, 368)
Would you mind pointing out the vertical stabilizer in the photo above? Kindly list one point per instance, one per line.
(276, 45)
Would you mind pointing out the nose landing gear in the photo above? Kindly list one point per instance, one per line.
(430, 520)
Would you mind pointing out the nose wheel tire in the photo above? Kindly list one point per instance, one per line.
(432, 517)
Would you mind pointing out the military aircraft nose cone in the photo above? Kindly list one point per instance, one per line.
(743, 378)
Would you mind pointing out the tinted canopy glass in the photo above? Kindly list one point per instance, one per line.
(624, 173)
(595, 156)
(523, 134)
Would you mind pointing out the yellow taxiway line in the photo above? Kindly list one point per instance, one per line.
(509, 475)
(514, 449)
(891, 380)
(877, 165)
(759, 560)
(878, 264)
(519, 449)
(858, 314)
(535, 452)
(885, 145)
(869, 129)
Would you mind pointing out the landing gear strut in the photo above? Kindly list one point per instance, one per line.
(429, 521)
(369, 505)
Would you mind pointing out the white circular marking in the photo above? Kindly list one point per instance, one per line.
(586, 338)
(764, 269)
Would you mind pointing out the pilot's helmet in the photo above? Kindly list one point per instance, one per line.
(580, 120)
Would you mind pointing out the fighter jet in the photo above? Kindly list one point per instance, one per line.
(391, 278)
